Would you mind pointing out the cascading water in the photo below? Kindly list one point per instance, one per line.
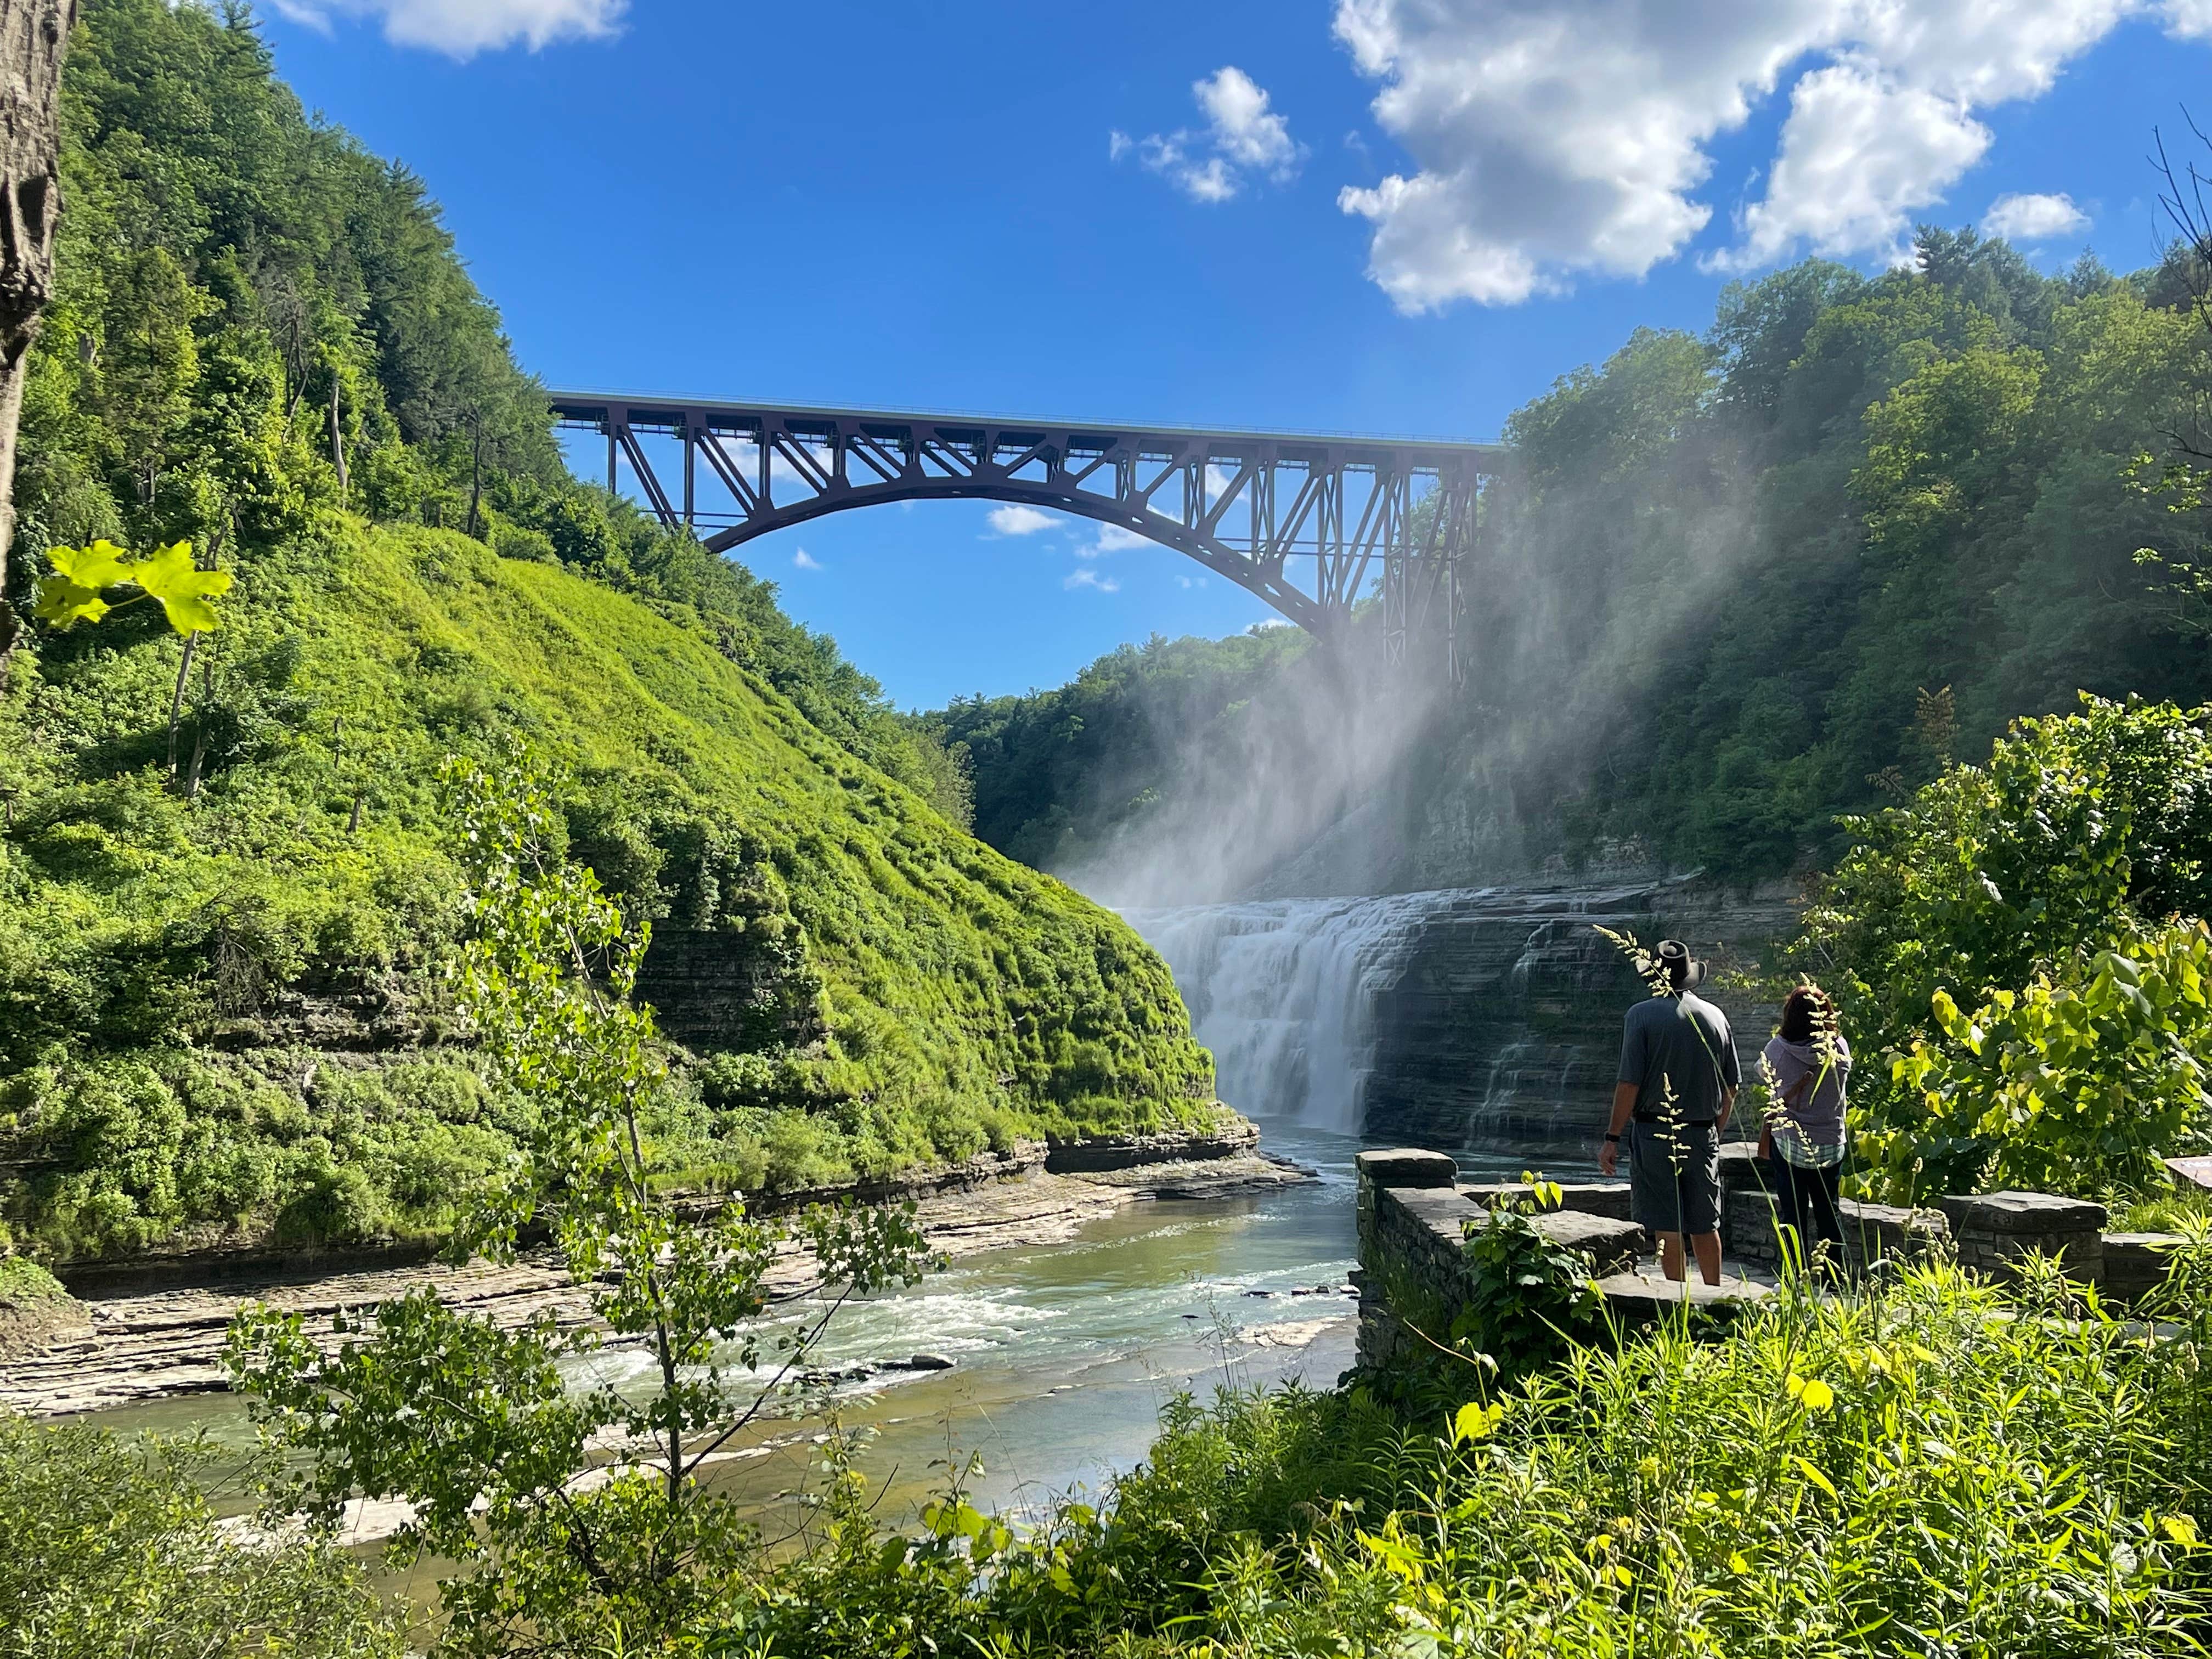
(1285, 992)
(1466, 1018)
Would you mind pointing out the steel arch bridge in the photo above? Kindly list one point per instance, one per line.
(1305, 522)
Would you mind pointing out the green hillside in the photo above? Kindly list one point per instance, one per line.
(224, 898)
(216, 1013)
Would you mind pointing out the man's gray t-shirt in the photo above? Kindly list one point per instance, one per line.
(1685, 1040)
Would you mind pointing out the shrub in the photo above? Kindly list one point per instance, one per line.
(2078, 1083)
(2031, 888)
(111, 1549)
(1931, 1467)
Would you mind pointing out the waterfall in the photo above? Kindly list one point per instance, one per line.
(1470, 1019)
(1284, 991)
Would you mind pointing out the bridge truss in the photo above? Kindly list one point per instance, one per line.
(1308, 523)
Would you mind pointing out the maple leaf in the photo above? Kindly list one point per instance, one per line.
(71, 594)
(182, 587)
(101, 565)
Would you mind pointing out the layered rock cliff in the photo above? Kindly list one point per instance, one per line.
(1460, 1019)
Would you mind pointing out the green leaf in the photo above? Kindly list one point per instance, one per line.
(101, 565)
(182, 587)
(1812, 1472)
(1476, 1421)
(72, 594)
(64, 602)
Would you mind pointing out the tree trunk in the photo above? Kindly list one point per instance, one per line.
(200, 731)
(33, 37)
(337, 437)
(177, 702)
(475, 479)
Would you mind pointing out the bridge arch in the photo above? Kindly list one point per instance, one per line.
(1303, 521)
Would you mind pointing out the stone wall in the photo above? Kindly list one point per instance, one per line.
(1413, 1219)
(1413, 1213)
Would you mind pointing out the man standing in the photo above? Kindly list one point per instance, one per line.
(1679, 1075)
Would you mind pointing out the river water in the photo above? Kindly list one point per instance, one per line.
(1064, 1355)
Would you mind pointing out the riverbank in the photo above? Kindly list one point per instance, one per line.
(156, 1328)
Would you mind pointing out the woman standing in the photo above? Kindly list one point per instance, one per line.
(1807, 1066)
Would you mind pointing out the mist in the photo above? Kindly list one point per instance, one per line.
(1340, 774)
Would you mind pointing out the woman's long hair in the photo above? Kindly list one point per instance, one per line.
(1803, 1012)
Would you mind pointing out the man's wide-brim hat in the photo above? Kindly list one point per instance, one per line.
(1684, 969)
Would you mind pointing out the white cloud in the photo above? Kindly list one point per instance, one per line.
(1090, 578)
(2024, 218)
(1859, 153)
(462, 28)
(1887, 129)
(1016, 519)
(1111, 538)
(1190, 581)
(1554, 138)
(1242, 136)
(1246, 131)
(806, 561)
(2187, 19)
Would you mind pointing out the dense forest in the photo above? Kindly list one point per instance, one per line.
(226, 879)
(1737, 584)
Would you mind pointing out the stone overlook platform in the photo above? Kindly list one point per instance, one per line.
(1414, 1216)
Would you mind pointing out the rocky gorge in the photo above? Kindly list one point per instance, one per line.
(1455, 1020)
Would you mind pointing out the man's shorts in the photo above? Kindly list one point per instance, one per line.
(1675, 1176)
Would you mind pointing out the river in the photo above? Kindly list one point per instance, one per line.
(1065, 1354)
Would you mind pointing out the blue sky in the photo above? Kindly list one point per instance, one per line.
(1141, 213)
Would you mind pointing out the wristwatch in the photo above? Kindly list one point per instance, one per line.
(1614, 1137)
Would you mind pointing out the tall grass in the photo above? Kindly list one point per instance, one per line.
(1921, 1465)
(1930, 1466)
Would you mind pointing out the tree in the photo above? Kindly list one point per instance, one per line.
(2037, 887)
(2188, 269)
(475, 1425)
(33, 39)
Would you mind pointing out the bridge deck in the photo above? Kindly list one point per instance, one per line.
(653, 412)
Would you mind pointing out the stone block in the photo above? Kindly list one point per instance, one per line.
(1641, 1298)
(1609, 1245)
(1407, 1166)
(1442, 1210)
(2016, 1214)
(2192, 1171)
(1605, 1198)
(1888, 1232)
(1741, 1166)
(1994, 1231)
(1748, 1224)
(2135, 1263)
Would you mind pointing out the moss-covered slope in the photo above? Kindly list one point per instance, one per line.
(218, 1013)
